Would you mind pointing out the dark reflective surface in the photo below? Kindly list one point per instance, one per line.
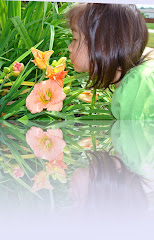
(81, 176)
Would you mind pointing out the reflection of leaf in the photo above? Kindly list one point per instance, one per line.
(18, 157)
(61, 178)
(13, 137)
(27, 187)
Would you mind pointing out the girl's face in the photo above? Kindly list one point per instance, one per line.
(79, 52)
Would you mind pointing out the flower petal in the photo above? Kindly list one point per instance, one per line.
(55, 107)
(33, 104)
(41, 181)
(57, 74)
(57, 92)
(41, 58)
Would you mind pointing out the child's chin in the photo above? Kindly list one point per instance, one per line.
(78, 70)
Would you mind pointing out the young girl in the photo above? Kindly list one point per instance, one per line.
(108, 42)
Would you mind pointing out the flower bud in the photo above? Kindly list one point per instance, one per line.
(61, 61)
(54, 63)
(17, 68)
(6, 70)
(87, 96)
(66, 89)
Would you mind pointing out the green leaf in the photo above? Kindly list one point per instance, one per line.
(19, 180)
(14, 87)
(29, 116)
(69, 99)
(96, 117)
(52, 34)
(15, 108)
(19, 59)
(60, 115)
(22, 31)
(45, 10)
(24, 55)
(3, 12)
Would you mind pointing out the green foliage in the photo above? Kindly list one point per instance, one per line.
(42, 25)
(25, 26)
(150, 25)
(15, 151)
(151, 40)
(143, 14)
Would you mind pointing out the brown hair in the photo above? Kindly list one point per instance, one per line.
(116, 35)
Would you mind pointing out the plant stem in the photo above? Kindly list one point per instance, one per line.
(93, 99)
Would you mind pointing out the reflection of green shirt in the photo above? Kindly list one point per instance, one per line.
(134, 98)
(134, 141)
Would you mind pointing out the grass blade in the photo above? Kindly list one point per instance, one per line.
(22, 31)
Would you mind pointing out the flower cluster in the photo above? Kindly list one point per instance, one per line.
(47, 94)
(48, 146)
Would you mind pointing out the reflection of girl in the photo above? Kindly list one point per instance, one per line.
(107, 186)
(134, 142)
(108, 42)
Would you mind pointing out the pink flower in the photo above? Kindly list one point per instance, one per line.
(46, 94)
(46, 145)
(41, 181)
(17, 68)
(17, 172)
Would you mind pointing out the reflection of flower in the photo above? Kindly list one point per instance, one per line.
(87, 96)
(17, 68)
(41, 181)
(46, 145)
(16, 172)
(41, 58)
(56, 168)
(87, 143)
(57, 73)
(46, 94)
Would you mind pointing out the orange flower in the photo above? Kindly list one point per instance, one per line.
(17, 68)
(57, 73)
(46, 94)
(41, 58)
(46, 145)
(41, 181)
(87, 96)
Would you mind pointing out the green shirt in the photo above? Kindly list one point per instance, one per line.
(134, 98)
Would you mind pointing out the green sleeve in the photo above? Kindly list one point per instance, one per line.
(134, 98)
